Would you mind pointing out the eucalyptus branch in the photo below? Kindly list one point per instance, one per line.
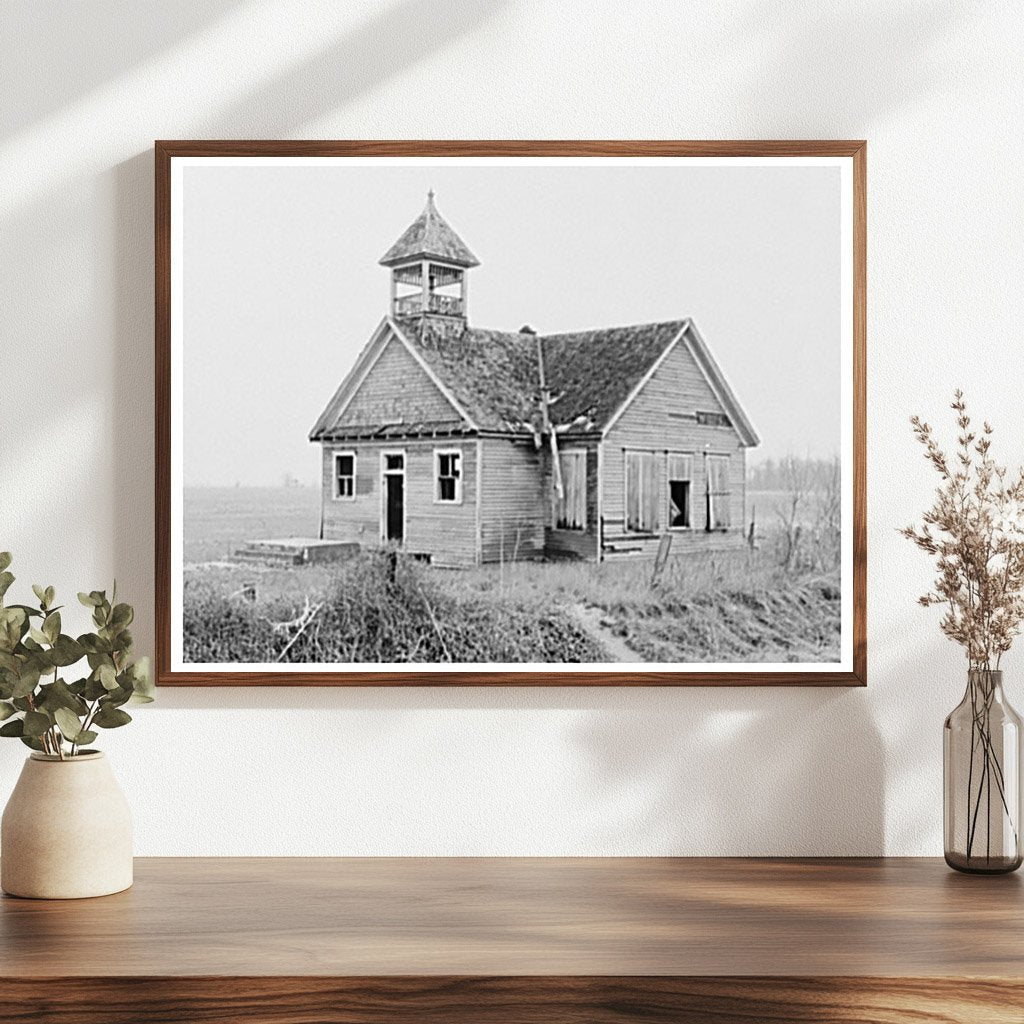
(46, 715)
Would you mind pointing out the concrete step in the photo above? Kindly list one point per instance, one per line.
(268, 556)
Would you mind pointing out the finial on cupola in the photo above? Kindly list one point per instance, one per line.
(428, 267)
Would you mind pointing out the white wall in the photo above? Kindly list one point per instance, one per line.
(936, 88)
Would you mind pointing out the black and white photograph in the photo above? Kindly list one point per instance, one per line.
(511, 414)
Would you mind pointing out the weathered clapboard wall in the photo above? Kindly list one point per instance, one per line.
(445, 531)
(513, 505)
(397, 389)
(662, 419)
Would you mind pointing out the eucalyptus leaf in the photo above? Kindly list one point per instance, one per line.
(59, 695)
(94, 689)
(16, 727)
(39, 636)
(121, 616)
(5, 559)
(66, 651)
(49, 594)
(6, 710)
(30, 741)
(51, 626)
(107, 676)
(96, 646)
(29, 611)
(68, 722)
(40, 592)
(12, 627)
(89, 600)
(36, 723)
(115, 698)
(27, 681)
(86, 736)
(109, 717)
(6, 579)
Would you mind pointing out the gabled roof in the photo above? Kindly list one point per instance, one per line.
(591, 374)
(492, 378)
(430, 235)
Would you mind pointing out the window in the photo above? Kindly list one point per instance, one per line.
(680, 486)
(713, 419)
(448, 473)
(344, 476)
(571, 507)
(641, 492)
(718, 492)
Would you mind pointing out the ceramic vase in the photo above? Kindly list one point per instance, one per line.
(66, 831)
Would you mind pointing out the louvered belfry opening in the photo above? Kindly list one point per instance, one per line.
(428, 268)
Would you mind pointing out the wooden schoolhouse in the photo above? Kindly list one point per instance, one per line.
(466, 445)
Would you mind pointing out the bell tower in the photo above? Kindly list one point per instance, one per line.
(428, 268)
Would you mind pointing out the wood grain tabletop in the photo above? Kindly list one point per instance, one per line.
(516, 916)
(506, 939)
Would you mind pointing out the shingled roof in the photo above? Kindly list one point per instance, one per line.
(430, 236)
(494, 376)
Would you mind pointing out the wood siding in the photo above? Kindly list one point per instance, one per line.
(514, 509)
(446, 532)
(397, 390)
(661, 419)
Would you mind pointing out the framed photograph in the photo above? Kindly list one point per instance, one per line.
(631, 454)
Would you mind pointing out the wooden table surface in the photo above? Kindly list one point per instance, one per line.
(354, 940)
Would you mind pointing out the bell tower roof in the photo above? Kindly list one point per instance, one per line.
(430, 236)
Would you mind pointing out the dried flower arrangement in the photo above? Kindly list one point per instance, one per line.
(975, 529)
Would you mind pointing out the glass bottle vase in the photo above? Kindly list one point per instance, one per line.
(981, 771)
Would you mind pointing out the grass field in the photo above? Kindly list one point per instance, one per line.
(740, 606)
(217, 520)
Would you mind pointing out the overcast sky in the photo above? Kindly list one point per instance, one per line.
(282, 287)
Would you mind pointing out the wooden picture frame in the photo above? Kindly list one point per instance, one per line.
(850, 156)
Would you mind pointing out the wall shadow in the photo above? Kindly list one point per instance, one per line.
(50, 49)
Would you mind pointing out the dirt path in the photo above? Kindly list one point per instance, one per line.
(589, 619)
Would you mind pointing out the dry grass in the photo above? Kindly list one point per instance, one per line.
(736, 606)
(371, 616)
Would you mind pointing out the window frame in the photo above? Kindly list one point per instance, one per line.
(459, 476)
(669, 455)
(335, 490)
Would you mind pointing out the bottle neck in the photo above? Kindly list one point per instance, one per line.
(985, 683)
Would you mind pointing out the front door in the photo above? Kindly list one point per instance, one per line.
(393, 512)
